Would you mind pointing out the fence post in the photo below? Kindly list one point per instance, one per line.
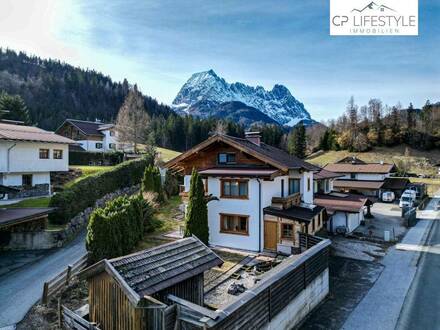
(69, 273)
(60, 315)
(45, 293)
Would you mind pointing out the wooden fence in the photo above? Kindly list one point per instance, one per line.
(62, 279)
(71, 320)
(306, 241)
(259, 305)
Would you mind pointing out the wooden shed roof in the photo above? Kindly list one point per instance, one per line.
(146, 272)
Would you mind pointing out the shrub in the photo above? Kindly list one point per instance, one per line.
(86, 192)
(87, 157)
(115, 230)
(151, 182)
(171, 184)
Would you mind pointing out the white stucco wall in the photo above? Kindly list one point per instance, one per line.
(302, 304)
(365, 176)
(109, 139)
(342, 219)
(24, 157)
(15, 179)
(247, 207)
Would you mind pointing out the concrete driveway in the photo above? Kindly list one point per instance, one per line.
(22, 288)
(387, 217)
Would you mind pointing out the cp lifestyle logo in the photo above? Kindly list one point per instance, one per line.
(387, 17)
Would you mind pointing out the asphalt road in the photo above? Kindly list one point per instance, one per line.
(21, 289)
(421, 308)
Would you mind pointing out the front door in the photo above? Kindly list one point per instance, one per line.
(270, 235)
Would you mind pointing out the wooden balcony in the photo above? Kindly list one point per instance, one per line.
(284, 203)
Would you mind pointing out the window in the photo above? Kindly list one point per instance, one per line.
(287, 231)
(353, 176)
(308, 184)
(234, 188)
(293, 186)
(57, 154)
(26, 180)
(112, 133)
(327, 185)
(313, 225)
(226, 158)
(44, 153)
(319, 220)
(98, 145)
(234, 224)
(112, 146)
(282, 188)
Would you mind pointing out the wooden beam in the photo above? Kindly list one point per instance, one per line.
(199, 309)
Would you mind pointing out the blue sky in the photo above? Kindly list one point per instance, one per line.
(159, 44)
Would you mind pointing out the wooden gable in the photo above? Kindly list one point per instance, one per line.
(208, 157)
(72, 132)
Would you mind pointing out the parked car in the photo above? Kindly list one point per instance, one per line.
(407, 199)
(388, 196)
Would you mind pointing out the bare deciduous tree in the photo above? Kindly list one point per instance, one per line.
(133, 121)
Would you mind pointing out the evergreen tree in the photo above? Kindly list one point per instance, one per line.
(13, 107)
(197, 211)
(148, 181)
(297, 142)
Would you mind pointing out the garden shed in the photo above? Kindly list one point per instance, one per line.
(130, 292)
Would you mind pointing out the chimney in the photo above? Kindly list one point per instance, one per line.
(254, 137)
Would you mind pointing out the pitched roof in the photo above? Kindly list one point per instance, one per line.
(87, 127)
(271, 155)
(341, 202)
(375, 168)
(149, 271)
(11, 132)
(15, 216)
(324, 174)
(299, 213)
(359, 184)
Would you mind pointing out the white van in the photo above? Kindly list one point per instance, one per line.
(388, 196)
(408, 198)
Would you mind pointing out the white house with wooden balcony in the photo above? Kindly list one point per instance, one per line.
(264, 195)
(27, 157)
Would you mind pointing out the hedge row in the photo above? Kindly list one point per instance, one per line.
(115, 230)
(87, 191)
(86, 158)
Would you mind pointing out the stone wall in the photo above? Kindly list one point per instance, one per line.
(34, 191)
(56, 238)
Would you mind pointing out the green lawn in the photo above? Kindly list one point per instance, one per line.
(167, 154)
(33, 202)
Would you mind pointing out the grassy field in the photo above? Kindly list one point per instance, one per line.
(420, 161)
(167, 154)
(33, 202)
(87, 171)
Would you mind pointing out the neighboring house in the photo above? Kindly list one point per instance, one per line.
(91, 135)
(344, 211)
(264, 195)
(360, 177)
(131, 292)
(27, 157)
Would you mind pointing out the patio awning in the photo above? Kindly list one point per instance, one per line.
(296, 213)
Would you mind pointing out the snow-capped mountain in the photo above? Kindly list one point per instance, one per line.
(205, 94)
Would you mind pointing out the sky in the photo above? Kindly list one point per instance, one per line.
(159, 44)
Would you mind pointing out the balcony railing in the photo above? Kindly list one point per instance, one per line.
(284, 203)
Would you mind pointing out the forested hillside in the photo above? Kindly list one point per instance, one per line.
(54, 91)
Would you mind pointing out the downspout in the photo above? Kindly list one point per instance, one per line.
(8, 156)
(259, 215)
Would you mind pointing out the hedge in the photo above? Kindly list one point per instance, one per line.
(115, 230)
(93, 158)
(86, 192)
